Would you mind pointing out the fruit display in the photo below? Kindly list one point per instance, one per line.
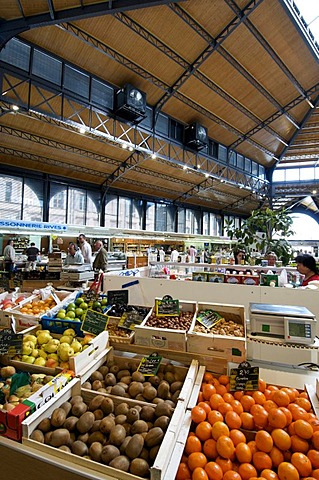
(117, 310)
(271, 433)
(107, 431)
(9, 399)
(36, 306)
(181, 322)
(224, 327)
(42, 349)
(11, 300)
(124, 380)
(76, 310)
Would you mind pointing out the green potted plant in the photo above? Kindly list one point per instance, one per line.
(265, 230)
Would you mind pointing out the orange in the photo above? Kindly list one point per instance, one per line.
(193, 444)
(215, 416)
(215, 400)
(238, 394)
(303, 429)
(277, 418)
(281, 398)
(303, 403)
(291, 429)
(208, 390)
(299, 413)
(260, 415)
(233, 420)
(203, 431)
(286, 471)
(196, 459)
(262, 460)
(247, 402)
(315, 473)
(224, 407)
(224, 463)
(269, 404)
(183, 472)
(269, 474)
(302, 463)
(208, 377)
(209, 448)
(243, 453)
(219, 429)
(221, 389)
(264, 441)
(314, 422)
(247, 421)
(276, 456)
(228, 397)
(299, 444)
(214, 471)
(288, 415)
(273, 388)
(231, 475)
(259, 397)
(237, 406)
(199, 474)
(225, 447)
(313, 456)
(262, 385)
(281, 439)
(205, 406)
(291, 393)
(237, 436)
(246, 471)
(223, 379)
(253, 447)
(198, 414)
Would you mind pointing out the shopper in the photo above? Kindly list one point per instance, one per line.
(100, 260)
(9, 256)
(239, 256)
(306, 265)
(192, 252)
(32, 253)
(174, 255)
(161, 253)
(86, 249)
(272, 258)
(74, 256)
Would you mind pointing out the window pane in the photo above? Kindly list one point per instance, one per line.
(240, 161)
(181, 220)
(16, 53)
(197, 222)
(161, 216)
(76, 81)
(307, 173)
(222, 153)
(93, 209)
(76, 206)
(102, 95)
(171, 218)
(33, 201)
(150, 216)
(46, 67)
(124, 220)
(279, 175)
(111, 211)
(292, 174)
(10, 197)
(57, 205)
(137, 214)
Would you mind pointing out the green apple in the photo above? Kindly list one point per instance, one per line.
(79, 311)
(28, 359)
(71, 306)
(84, 306)
(104, 302)
(71, 314)
(61, 314)
(78, 301)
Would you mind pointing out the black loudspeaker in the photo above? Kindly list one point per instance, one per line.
(195, 136)
(130, 103)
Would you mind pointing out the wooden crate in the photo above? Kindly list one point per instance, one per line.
(232, 348)
(166, 338)
(161, 462)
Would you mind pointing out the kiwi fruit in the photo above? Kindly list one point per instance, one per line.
(79, 408)
(67, 407)
(120, 463)
(85, 422)
(147, 413)
(45, 425)
(135, 388)
(134, 446)
(95, 451)
(110, 379)
(70, 423)
(139, 426)
(79, 448)
(117, 435)
(162, 422)
(59, 437)
(97, 376)
(109, 452)
(107, 406)
(58, 417)
(121, 409)
(132, 415)
(107, 423)
(95, 403)
(149, 393)
(138, 377)
(37, 435)
(139, 467)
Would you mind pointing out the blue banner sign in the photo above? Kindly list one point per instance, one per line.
(32, 225)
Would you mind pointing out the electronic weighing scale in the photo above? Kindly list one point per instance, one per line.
(282, 334)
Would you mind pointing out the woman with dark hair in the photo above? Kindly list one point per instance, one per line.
(239, 256)
(306, 265)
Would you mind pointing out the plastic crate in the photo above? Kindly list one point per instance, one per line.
(58, 325)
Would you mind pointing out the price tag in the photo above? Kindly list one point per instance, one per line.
(129, 319)
(209, 318)
(94, 322)
(245, 377)
(149, 365)
(10, 342)
(167, 307)
(117, 297)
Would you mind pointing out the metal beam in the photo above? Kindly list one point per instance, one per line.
(206, 53)
(11, 28)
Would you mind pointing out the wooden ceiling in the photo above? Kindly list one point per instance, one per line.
(244, 69)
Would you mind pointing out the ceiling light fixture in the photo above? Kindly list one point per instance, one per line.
(314, 192)
(153, 156)
(308, 100)
(206, 175)
(82, 130)
(185, 167)
(15, 108)
(124, 146)
(130, 148)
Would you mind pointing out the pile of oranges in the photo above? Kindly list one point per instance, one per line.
(268, 434)
(37, 306)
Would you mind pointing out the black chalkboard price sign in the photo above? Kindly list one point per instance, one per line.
(10, 342)
(245, 377)
(117, 297)
(94, 322)
(149, 365)
(167, 307)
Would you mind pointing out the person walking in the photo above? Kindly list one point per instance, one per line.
(9, 256)
(32, 254)
(86, 249)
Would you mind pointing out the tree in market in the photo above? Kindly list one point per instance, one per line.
(265, 230)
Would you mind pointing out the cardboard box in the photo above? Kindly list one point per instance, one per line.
(232, 348)
(199, 277)
(268, 280)
(233, 279)
(215, 277)
(165, 338)
(250, 280)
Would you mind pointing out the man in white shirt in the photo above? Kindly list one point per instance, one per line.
(86, 249)
(174, 255)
